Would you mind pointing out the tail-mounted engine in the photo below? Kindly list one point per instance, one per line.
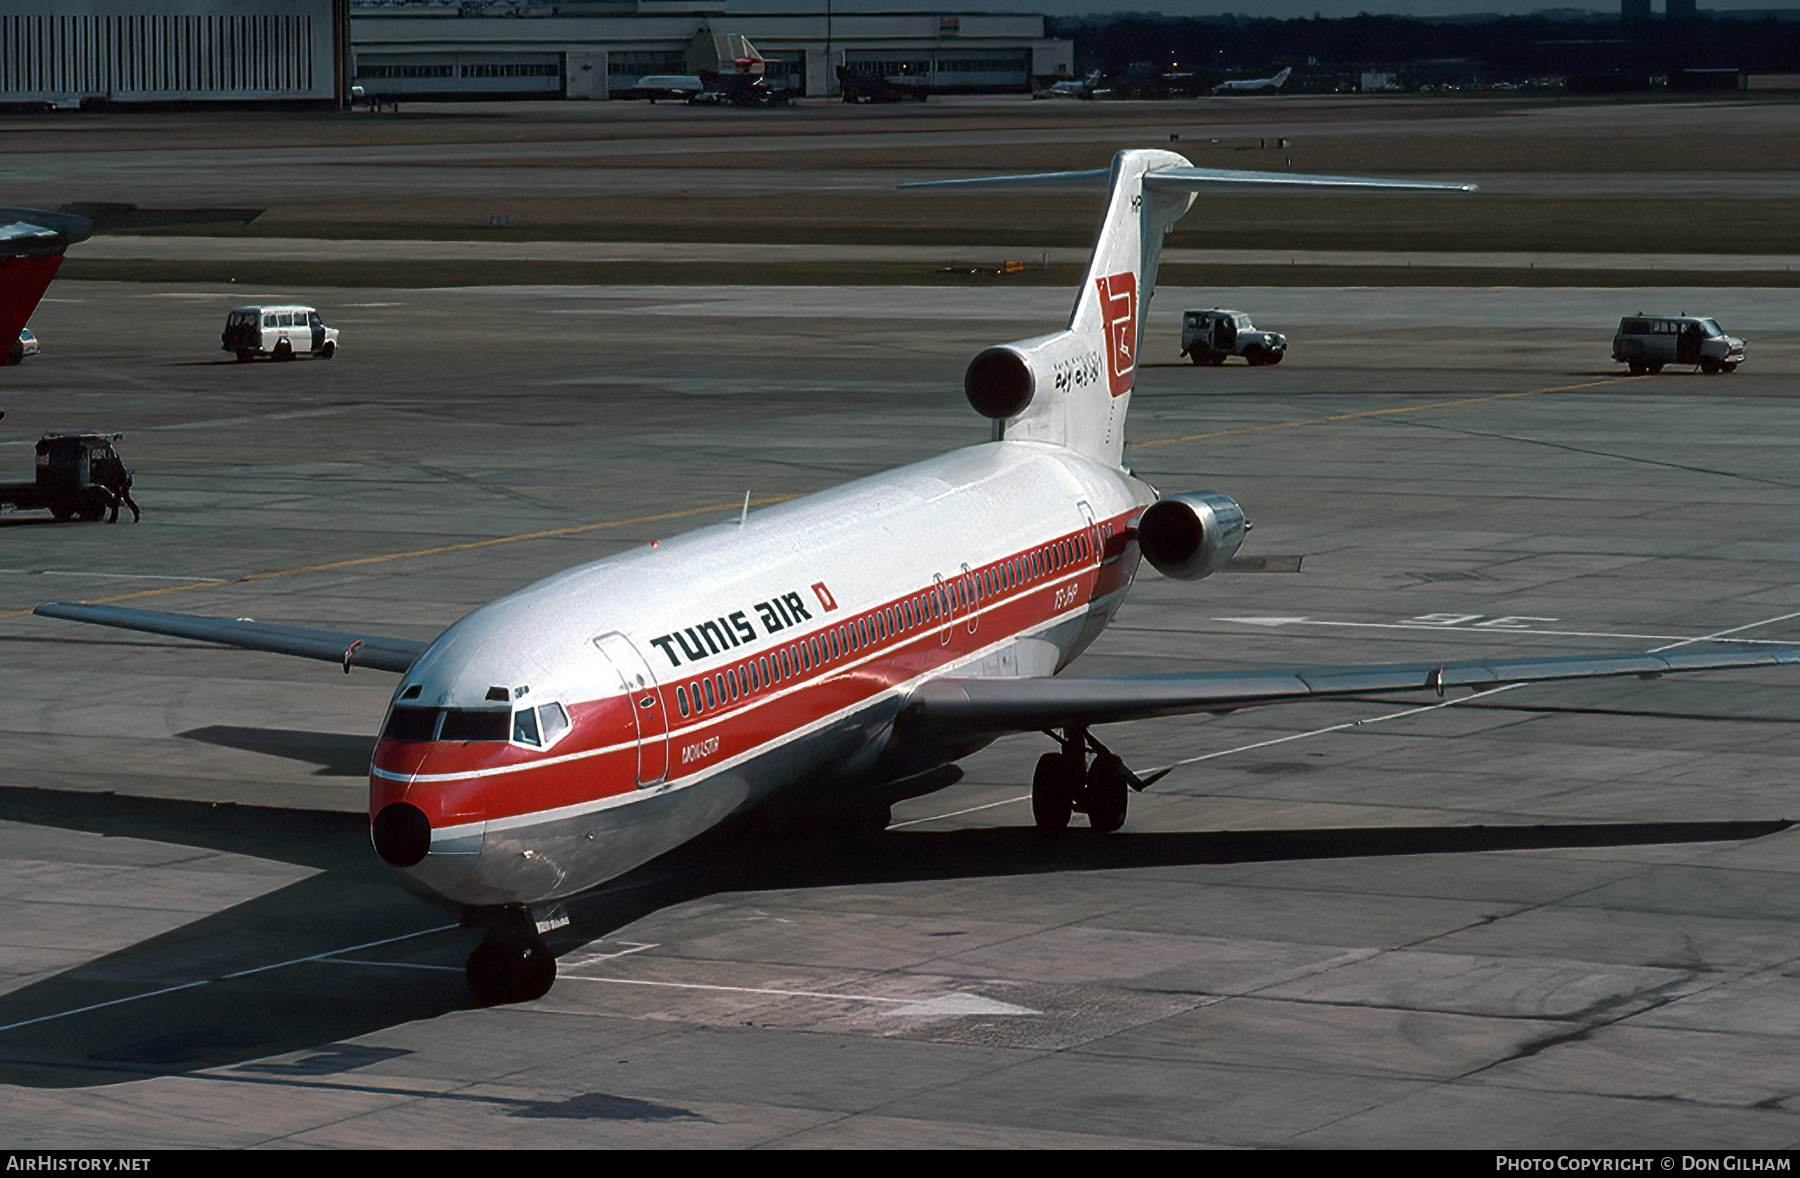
(1191, 536)
(1003, 381)
(999, 383)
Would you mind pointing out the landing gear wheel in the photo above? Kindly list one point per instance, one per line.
(510, 967)
(1106, 793)
(1053, 789)
(1710, 366)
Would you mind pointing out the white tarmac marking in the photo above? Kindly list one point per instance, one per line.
(1673, 639)
(1719, 636)
(960, 813)
(574, 962)
(242, 973)
(957, 1003)
(325, 411)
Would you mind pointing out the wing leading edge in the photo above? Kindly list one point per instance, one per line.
(992, 706)
(331, 646)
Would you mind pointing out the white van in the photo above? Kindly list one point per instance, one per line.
(1645, 343)
(280, 333)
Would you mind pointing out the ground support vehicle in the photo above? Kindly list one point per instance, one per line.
(79, 476)
(1209, 336)
(280, 333)
(1646, 343)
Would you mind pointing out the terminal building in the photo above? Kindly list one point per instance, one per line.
(314, 51)
(598, 48)
(171, 51)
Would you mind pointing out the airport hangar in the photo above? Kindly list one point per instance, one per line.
(312, 51)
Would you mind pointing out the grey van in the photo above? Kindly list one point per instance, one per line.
(1647, 342)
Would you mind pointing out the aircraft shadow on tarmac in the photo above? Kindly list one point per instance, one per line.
(337, 754)
(283, 973)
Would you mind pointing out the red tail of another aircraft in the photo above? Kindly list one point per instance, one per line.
(32, 242)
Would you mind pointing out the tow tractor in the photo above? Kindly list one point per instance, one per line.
(79, 476)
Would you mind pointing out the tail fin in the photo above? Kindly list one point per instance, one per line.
(1073, 387)
(32, 242)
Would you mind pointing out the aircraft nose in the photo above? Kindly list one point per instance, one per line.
(402, 833)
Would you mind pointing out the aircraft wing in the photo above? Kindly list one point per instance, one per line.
(992, 705)
(331, 646)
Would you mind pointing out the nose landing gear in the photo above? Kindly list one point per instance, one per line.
(1066, 782)
(512, 963)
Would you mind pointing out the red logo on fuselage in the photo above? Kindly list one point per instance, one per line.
(1118, 318)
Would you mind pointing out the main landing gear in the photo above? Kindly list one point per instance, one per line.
(1066, 782)
(512, 963)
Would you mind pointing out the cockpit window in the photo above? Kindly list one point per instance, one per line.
(539, 727)
(411, 724)
(419, 724)
(476, 724)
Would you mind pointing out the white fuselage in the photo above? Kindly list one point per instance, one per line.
(649, 695)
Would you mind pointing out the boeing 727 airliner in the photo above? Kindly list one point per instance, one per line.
(837, 652)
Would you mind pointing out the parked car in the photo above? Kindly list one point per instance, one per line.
(1209, 336)
(1645, 343)
(27, 345)
(280, 333)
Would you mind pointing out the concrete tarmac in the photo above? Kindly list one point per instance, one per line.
(1548, 917)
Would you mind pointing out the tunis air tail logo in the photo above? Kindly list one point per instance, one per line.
(1118, 314)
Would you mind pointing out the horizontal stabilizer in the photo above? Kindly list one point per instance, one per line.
(1090, 176)
(991, 706)
(1191, 179)
(331, 646)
